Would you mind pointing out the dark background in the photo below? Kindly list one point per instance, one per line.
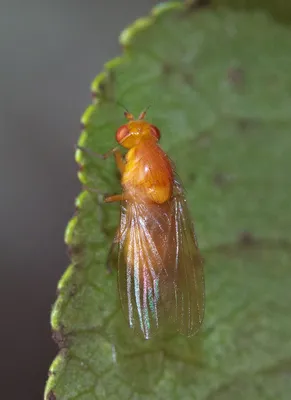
(50, 51)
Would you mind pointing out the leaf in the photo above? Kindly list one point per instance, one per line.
(220, 88)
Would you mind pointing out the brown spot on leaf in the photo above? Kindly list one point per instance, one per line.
(73, 289)
(246, 125)
(80, 167)
(60, 339)
(193, 5)
(51, 396)
(77, 263)
(101, 88)
(94, 94)
(69, 251)
(109, 89)
(246, 239)
(220, 179)
(204, 139)
(74, 250)
(243, 124)
(167, 68)
(236, 76)
(192, 176)
(105, 90)
(188, 79)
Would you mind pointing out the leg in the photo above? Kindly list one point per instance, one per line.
(119, 163)
(94, 154)
(106, 199)
(115, 197)
(119, 160)
(93, 190)
(116, 152)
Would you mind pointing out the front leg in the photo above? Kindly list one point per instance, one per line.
(120, 163)
(115, 151)
(107, 198)
(116, 197)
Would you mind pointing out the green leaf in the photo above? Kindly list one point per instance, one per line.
(219, 84)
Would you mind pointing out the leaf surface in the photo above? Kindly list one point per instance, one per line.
(219, 84)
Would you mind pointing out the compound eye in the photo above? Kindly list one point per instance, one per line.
(155, 132)
(121, 133)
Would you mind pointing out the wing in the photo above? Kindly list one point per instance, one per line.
(187, 307)
(160, 273)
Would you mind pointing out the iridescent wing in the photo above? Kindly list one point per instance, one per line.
(160, 272)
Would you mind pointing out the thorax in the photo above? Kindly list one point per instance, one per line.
(148, 173)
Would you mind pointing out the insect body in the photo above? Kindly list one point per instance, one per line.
(160, 271)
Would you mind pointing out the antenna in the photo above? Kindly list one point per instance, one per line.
(143, 113)
(127, 114)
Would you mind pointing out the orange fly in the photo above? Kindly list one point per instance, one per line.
(160, 270)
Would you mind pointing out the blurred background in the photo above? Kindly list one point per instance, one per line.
(50, 51)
